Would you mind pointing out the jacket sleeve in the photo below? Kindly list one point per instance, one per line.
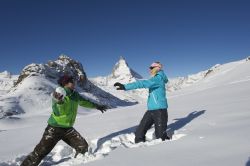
(85, 103)
(150, 83)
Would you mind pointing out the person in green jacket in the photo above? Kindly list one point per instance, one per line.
(65, 101)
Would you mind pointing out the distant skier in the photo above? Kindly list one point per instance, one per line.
(157, 103)
(65, 101)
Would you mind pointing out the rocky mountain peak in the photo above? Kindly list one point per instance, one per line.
(54, 69)
(122, 70)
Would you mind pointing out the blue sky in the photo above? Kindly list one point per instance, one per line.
(187, 36)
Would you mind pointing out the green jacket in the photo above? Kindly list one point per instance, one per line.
(64, 114)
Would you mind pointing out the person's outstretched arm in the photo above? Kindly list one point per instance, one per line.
(88, 104)
(150, 83)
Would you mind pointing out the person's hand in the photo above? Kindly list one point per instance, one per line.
(101, 108)
(119, 86)
(58, 97)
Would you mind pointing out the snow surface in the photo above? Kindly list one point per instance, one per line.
(208, 121)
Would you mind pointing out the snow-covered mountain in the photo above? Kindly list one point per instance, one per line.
(37, 81)
(208, 121)
(204, 76)
(124, 74)
(7, 80)
(182, 82)
(121, 73)
(218, 75)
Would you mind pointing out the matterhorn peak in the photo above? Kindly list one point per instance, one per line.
(123, 71)
(122, 59)
(121, 64)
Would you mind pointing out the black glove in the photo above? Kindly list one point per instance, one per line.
(120, 86)
(101, 108)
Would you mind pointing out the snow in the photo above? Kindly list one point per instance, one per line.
(208, 121)
(6, 81)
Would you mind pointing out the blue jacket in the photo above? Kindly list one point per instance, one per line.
(157, 92)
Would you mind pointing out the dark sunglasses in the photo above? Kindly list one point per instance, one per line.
(151, 67)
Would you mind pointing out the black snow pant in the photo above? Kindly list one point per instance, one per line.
(51, 136)
(157, 117)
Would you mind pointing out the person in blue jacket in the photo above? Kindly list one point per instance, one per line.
(157, 113)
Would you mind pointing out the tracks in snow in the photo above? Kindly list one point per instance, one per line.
(63, 155)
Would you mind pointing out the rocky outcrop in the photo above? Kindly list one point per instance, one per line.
(54, 69)
(211, 70)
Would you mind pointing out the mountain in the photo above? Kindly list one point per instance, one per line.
(7, 80)
(178, 83)
(32, 88)
(182, 82)
(217, 75)
(122, 73)
(208, 121)
(37, 81)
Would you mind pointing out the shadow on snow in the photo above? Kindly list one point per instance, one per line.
(248, 162)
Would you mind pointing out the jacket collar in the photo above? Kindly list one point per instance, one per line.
(68, 91)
